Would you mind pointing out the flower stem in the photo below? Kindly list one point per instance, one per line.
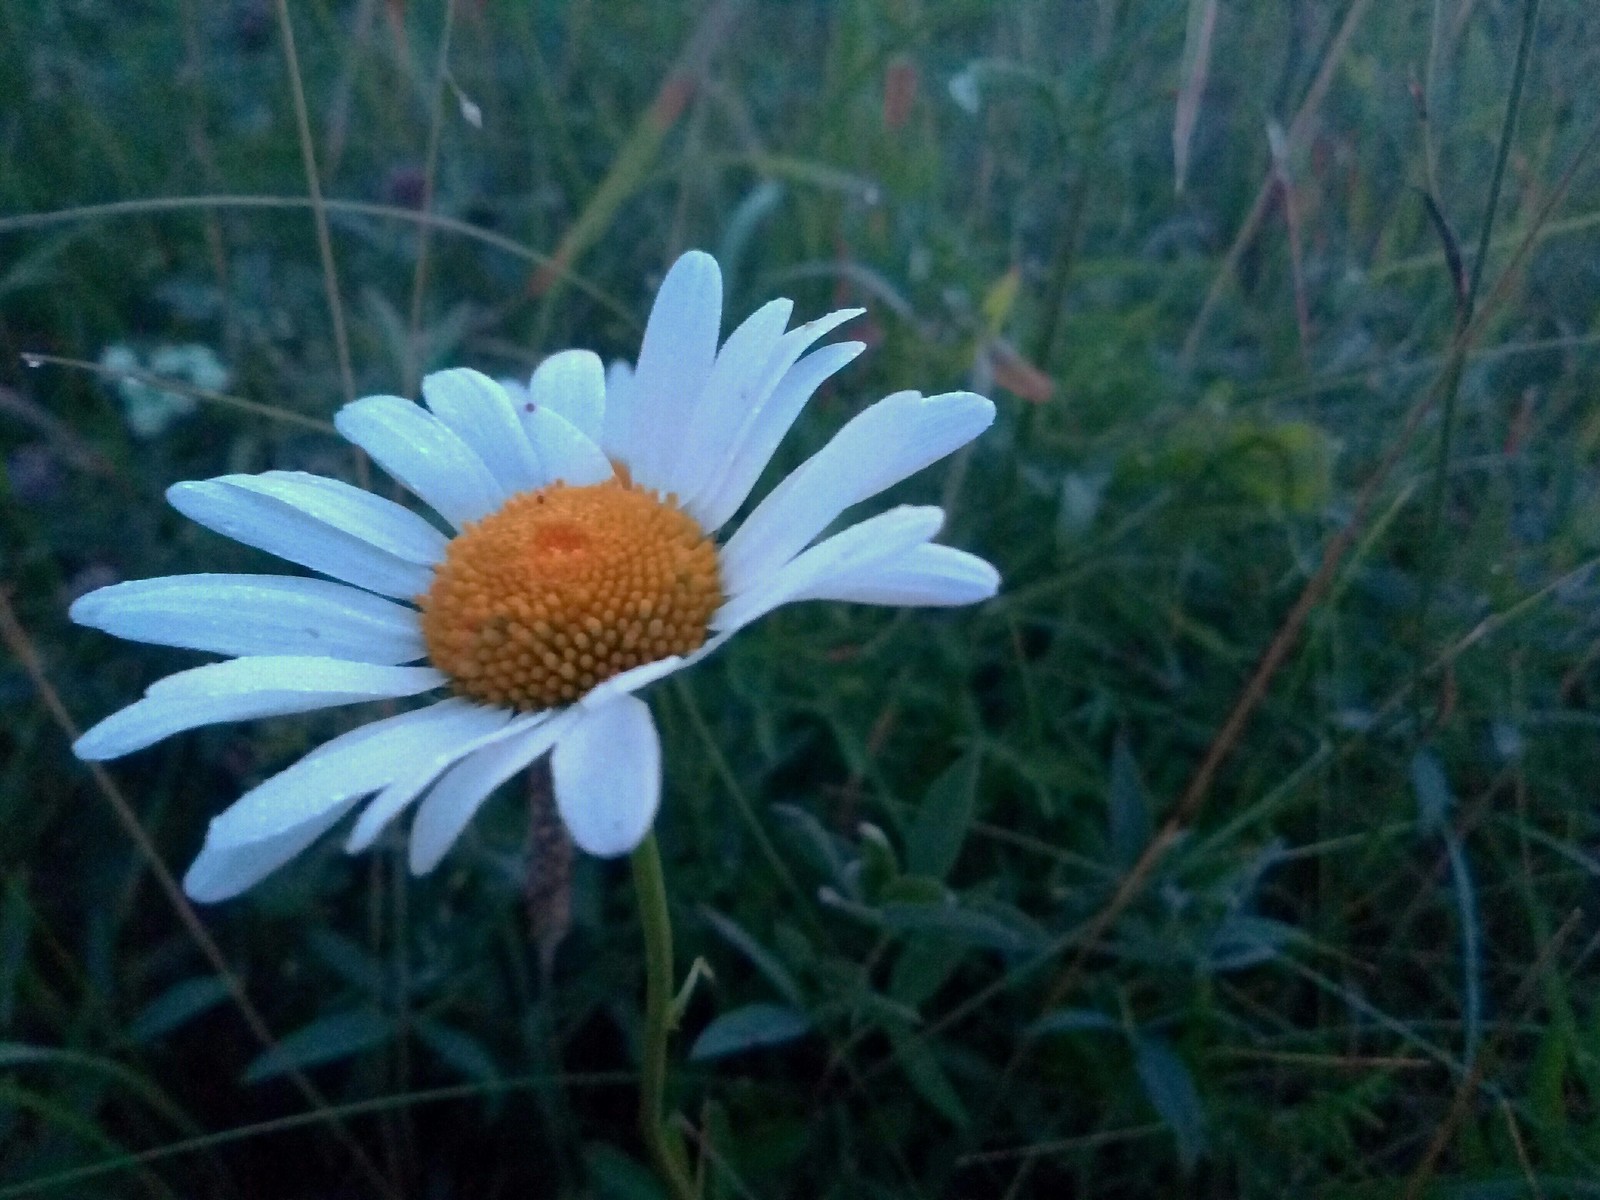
(666, 1148)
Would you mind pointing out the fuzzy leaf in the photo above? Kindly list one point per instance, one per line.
(760, 957)
(941, 824)
(1171, 1091)
(459, 1050)
(179, 1004)
(1128, 808)
(325, 1040)
(749, 1028)
(927, 1076)
(1434, 799)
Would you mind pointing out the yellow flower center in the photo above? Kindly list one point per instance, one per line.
(563, 588)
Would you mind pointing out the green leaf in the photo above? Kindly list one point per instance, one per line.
(914, 889)
(1244, 941)
(179, 1004)
(1171, 1091)
(934, 841)
(925, 1074)
(1196, 64)
(879, 866)
(615, 1176)
(325, 1040)
(1434, 798)
(1128, 807)
(817, 842)
(354, 963)
(994, 926)
(868, 1005)
(459, 1050)
(760, 957)
(924, 966)
(721, 1145)
(742, 225)
(749, 1028)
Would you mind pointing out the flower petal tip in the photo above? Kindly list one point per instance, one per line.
(86, 609)
(179, 492)
(697, 261)
(90, 748)
(991, 583)
(425, 861)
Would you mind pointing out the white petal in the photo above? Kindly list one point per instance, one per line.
(866, 546)
(398, 794)
(353, 765)
(422, 452)
(243, 689)
(730, 426)
(573, 383)
(222, 872)
(565, 453)
(393, 800)
(308, 526)
(480, 413)
(926, 576)
(616, 423)
(627, 682)
(767, 428)
(878, 448)
(456, 798)
(607, 774)
(255, 614)
(385, 524)
(675, 358)
(729, 394)
(798, 340)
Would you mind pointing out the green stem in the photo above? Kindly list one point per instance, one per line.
(666, 1149)
(1434, 547)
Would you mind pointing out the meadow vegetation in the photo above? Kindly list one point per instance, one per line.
(1246, 845)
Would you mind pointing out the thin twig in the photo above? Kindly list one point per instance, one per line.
(308, 156)
(1434, 549)
(1258, 208)
(1529, 1176)
(356, 1108)
(430, 166)
(1087, 1141)
(153, 204)
(338, 118)
(61, 437)
(1468, 1088)
(637, 152)
(165, 384)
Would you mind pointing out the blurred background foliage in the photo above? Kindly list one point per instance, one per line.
(977, 922)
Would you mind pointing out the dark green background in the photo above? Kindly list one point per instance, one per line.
(1365, 965)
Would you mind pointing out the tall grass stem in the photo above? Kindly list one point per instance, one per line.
(666, 1150)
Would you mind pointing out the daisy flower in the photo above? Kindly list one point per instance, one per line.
(583, 564)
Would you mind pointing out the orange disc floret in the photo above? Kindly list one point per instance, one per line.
(563, 588)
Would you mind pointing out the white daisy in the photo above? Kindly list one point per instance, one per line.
(583, 565)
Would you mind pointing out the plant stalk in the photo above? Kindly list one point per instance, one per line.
(666, 1148)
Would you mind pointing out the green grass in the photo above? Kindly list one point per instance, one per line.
(1057, 926)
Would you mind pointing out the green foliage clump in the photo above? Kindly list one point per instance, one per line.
(974, 920)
